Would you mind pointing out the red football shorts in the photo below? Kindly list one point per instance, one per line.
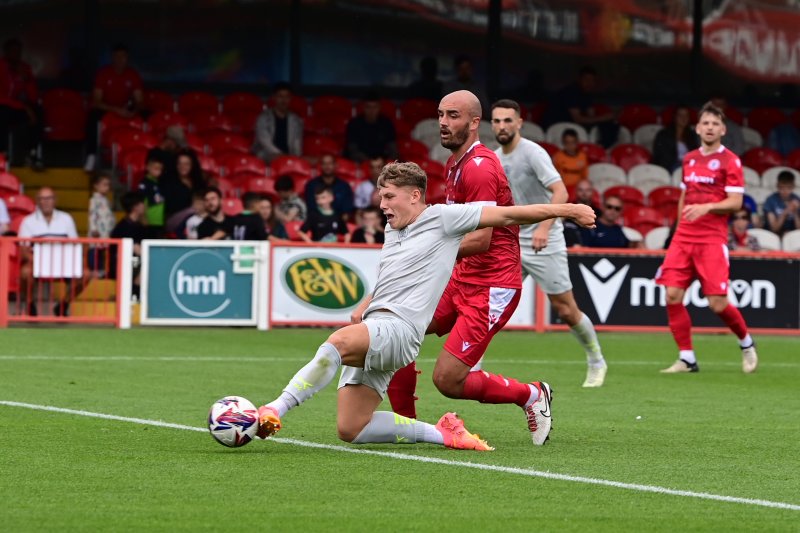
(686, 262)
(472, 314)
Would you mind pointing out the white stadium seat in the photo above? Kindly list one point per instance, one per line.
(791, 241)
(439, 153)
(656, 237)
(607, 171)
(646, 134)
(555, 131)
(769, 179)
(751, 177)
(532, 132)
(767, 239)
(677, 177)
(632, 234)
(648, 173)
(752, 139)
(759, 194)
(624, 136)
(486, 135)
(426, 131)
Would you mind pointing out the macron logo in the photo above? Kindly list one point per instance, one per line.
(465, 346)
(603, 293)
(478, 161)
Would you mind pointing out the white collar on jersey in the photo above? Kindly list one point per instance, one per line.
(717, 151)
(476, 143)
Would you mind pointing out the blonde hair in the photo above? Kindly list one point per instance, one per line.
(404, 175)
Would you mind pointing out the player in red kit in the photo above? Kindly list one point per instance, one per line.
(485, 286)
(713, 188)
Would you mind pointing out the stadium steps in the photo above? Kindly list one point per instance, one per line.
(98, 298)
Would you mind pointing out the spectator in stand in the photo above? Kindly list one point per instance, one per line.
(247, 225)
(5, 220)
(608, 231)
(464, 80)
(19, 108)
(733, 139)
(178, 189)
(167, 150)
(278, 130)
(215, 226)
(342, 192)
(150, 187)
(428, 85)
(274, 229)
(584, 194)
(291, 207)
(101, 220)
(189, 230)
(363, 194)
(570, 161)
(675, 140)
(738, 239)
(324, 222)
(117, 89)
(781, 208)
(371, 230)
(47, 221)
(575, 103)
(370, 134)
(130, 227)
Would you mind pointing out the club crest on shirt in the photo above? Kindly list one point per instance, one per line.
(691, 162)
(713, 164)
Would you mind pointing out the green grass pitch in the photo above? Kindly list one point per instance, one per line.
(718, 432)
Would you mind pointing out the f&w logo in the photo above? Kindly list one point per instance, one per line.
(603, 285)
(324, 282)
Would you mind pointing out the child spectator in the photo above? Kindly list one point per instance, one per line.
(738, 239)
(150, 187)
(371, 230)
(101, 220)
(274, 229)
(291, 207)
(781, 208)
(342, 192)
(571, 162)
(323, 222)
(130, 227)
(199, 207)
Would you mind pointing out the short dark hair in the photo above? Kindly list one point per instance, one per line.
(372, 209)
(569, 132)
(284, 183)
(213, 189)
(250, 199)
(97, 178)
(321, 188)
(152, 157)
(507, 103)
(130, 200)
(786, 177)
(708, 107)
(282, 86)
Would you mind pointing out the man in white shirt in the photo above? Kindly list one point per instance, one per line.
(52, 261)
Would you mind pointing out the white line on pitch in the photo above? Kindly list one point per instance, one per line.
(423, 360)
(435, 460)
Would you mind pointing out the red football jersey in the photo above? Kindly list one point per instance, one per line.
(709, 178)
(478, 178)
(117, 88)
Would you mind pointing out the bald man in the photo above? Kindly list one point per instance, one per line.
(485, 286)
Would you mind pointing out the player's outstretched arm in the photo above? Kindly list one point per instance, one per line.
(731, 204)
(495, 216)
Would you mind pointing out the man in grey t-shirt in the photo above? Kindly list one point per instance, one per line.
(534, 180)
(416, 261)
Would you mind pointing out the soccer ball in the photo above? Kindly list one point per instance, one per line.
(233, 421)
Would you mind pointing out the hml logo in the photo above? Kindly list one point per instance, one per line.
(205, 285)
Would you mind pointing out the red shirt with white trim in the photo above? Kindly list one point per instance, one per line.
(709, 178)
(117, 87)
(478, 178)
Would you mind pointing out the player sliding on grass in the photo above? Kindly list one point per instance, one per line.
(417, 259)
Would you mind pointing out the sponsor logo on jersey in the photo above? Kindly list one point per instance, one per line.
(465, 346)
(693, 177)
(478, 161)
(324, 282)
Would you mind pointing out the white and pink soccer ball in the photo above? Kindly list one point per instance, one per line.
(233, 421)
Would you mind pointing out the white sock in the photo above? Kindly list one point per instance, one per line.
(688, 356)
(387, 427)
(534, 395)
(746, 342)
(587, 336)
(310, 379)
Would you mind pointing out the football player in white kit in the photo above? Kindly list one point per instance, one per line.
(534, 180)
(416, 261)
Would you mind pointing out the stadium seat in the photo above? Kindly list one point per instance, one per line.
(555, 132)
(226, 187)
(632, 234)
(232, 206)
(760, 159)
(255, 183)
(208, 164)
(535, 113)
(293, 229)
(296, 167)
(9, 184)
(440, 154)
(633, 116)
(734, 114)
(240, 102)
(595, 153)
(244, 122)
(348, 170)
(415, 109)
(647, 173)
(645, 134)
(234, 163)
(402, 128)
(532, 132)
(196, 102)
(331, 106)
(123, 139)
(663, 195)
(196, 143)
(607, 172)
(206, 124)
(158, 101)
(631, 197)
(628, 156)
(668, 114)
(790, 242)
(411, 150)
(437, 191)
(4, 161)
(766, 239)
(317, 146)
(763, 119)
(751, 177)
(133, 162)
(19, 204)
(16, 222)
(623, 137)
(433, 169)
(158, 122)
(298, 105)
(112, 122)
(760, 194)
(643, 219)
(656, 237)
(769, 179)
(65, 115)
(388, 108)
(227, 142)
(793, 159)
(427, 131)
(752, 139)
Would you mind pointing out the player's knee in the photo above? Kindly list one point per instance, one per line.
(348, 431)
(717, 305)
(674, 298)
(447, 384)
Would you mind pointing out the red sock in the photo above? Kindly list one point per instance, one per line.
(734, 320)
(681, 325)
(492, 388)
(401, 391)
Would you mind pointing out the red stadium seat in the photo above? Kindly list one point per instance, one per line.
(536, 112)
(631, 196)
(795, 118)
(64, 115)
(628, 156)
(330, 106)
(292, 166)
(437, 191)
(433, 169)
(112, 122)
(634, 115)
(255, 183)
(158, 101)
(293, 229)
(793, 159)
(9, 184)
(244, 122)
(161, 120)
(210, 123)
(195, 102)
(243, 162)
(763, 119)
(297, 105)
(643, 219)
(231, 206)
(348, 170)
(595, 153)
(416, 109)
(663, 195)
(220, 142)
(19, 204)
(208, 164)
(550, 148)
(242, 101)
(412, 150)
(195, 142)
(133, 160)
(388, 109)
(760, 159)
(402, 128)
(734, 114)
(226, 187)
(316, 146)
(16, 222)
(668, 114)
(123, 139)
